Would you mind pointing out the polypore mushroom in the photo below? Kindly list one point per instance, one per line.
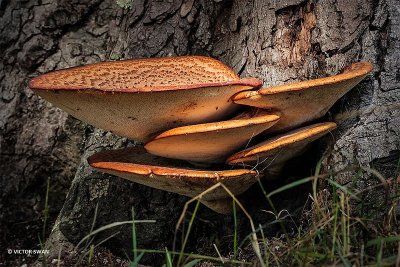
(140, 97)
(184, 97)
(211, 142)
(304, 101)
(136, 165)
(271, 154)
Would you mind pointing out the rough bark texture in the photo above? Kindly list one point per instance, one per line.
(276, 41)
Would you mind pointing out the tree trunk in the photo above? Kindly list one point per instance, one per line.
(276, 41)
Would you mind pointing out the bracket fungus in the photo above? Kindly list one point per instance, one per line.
(304, 101)
(210, 142)
(270, 155)
(140, 97)
(180, 107)
(136, 165)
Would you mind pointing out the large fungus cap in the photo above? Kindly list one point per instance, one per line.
(136, 165)
(274, 152)
(140, 97)
(304, 101)
(211, 142)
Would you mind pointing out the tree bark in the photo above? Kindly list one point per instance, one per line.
(276, 41)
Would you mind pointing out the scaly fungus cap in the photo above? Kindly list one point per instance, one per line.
(138, 98)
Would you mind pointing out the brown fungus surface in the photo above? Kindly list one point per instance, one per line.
(305, 101)
(211, 142)
(141, 97)
(271, 154)
(136, 165)
(139, 75)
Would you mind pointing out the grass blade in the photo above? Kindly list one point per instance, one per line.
(235, 230)
(291, 185)
(192, 263)
(168, 258)
(109, 226)
(188, 232)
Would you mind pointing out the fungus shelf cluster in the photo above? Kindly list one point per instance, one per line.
(200, 123)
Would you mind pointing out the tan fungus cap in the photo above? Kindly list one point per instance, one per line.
(211, 142)
(304, 101)
(140, 97)
(274, 152)
(136, 165)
